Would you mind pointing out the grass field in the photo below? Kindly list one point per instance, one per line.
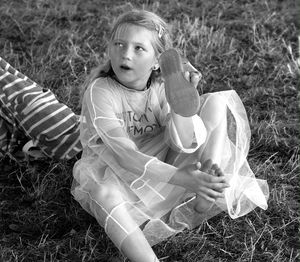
(250, 46)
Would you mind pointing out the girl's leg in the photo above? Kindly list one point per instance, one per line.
(120, 227)
(137, 248)
(213, 114)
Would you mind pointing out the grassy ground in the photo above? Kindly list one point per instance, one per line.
(249, 46)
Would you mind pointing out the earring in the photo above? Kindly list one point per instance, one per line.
(155, 67)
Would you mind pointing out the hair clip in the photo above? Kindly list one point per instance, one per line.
(160, 30)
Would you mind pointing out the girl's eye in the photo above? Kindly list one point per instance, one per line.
(118, 44)
(139, 48)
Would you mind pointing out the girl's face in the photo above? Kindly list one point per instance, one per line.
(132, 55)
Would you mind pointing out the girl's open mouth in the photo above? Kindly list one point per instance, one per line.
(125, 67)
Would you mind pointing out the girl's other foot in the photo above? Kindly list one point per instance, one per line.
(203, 205)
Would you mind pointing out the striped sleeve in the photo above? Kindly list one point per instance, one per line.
(43, 118)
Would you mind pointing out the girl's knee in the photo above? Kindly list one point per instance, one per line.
(108, 196)
(215, 102)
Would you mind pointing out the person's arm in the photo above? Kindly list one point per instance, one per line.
(101, 106)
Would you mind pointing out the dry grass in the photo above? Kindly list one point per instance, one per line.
(249, 46)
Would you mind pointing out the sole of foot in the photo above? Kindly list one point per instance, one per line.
(181, 95)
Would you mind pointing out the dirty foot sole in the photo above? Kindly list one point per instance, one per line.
(181, 95)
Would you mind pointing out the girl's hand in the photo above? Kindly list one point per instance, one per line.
(203, 184)
(191, 74)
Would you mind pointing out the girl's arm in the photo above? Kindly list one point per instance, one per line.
(189, 177)
(100, 104)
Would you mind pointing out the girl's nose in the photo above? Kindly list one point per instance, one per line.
(127, 53)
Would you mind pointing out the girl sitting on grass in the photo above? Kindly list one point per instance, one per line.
(157, 157)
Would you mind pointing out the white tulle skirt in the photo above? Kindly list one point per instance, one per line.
(170, 209)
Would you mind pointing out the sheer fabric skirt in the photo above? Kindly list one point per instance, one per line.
(120, 211)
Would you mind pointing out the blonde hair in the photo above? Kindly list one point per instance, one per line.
(149, 20)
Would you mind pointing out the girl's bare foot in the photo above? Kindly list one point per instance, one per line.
(182, 96)
(203, 205)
